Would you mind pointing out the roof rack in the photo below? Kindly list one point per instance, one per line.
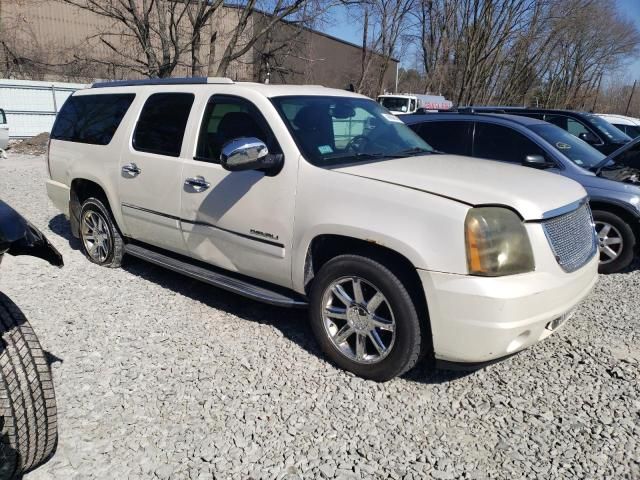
(164, 81)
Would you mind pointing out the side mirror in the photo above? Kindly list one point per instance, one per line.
(537, 161)
(589, 137)
(247, 153)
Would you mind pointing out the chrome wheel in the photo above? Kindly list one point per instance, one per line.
(95, 235)
(610, 242)
(358, 319)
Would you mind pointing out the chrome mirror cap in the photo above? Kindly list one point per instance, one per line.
(243, 153)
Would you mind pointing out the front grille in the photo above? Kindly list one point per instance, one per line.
(572, 237)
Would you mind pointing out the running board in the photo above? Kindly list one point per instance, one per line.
(217, 279)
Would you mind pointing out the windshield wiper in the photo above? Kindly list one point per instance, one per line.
(412, 151)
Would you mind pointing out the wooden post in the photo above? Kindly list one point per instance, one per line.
(626, 112)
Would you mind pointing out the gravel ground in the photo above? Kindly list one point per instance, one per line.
(161, 376)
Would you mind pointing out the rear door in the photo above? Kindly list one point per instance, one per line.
(150, 171)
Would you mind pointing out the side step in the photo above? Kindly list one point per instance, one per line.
(218, 279)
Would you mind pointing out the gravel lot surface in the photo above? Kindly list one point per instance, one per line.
(161, 376)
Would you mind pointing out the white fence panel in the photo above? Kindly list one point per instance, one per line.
(31, 106)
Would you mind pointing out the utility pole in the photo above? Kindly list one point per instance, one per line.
(633, 89)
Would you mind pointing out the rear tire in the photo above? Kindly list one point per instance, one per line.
(375, 333)
(28, 417)
(100, 239)
(616, 240)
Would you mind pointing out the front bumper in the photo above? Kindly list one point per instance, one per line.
(479, 319)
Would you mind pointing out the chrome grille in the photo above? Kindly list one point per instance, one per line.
(572, 237)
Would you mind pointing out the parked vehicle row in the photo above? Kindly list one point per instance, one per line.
(588, 127)
(612, 182)
(306, 196)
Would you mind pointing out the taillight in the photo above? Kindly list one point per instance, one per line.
(48, 160)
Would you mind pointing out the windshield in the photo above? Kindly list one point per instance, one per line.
(579, 152)
(340, 130)
(395, 104)
(611, 132)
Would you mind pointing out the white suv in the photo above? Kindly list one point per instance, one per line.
(307, 196)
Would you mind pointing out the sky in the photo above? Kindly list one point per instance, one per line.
(346, 28)
(631, 9)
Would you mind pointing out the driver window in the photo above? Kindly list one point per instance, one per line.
(575, 128)
(228, 118)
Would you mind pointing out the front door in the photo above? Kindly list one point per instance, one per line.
(240, 221)
(150, 180)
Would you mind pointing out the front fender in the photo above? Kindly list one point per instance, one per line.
(19, 237)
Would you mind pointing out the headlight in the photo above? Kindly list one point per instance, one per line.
(497, 243)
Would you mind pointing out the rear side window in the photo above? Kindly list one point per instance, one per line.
(447, 137)
(162, 122)
(3, 117)
(91, 119)
(502, 143)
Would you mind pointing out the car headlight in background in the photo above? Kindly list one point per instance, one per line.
(497, 243)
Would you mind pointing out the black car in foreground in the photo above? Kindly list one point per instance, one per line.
(594, 130)
(28, 425)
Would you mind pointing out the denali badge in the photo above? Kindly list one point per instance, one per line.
(264, 234)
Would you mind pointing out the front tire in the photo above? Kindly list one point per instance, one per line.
(364, 318)
(28, 417)
(100, 239)
(616, 241)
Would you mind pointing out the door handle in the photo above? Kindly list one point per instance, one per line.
(131, 169)
(197, 183)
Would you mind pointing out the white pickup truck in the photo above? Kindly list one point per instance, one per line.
(305, 196)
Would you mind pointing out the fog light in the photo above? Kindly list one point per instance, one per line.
(556, 322)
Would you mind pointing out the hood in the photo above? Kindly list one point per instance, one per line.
(476, 182)
(628, 155)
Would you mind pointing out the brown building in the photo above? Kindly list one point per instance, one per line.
(52, 40)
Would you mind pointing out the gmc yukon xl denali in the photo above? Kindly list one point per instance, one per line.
(305, 196)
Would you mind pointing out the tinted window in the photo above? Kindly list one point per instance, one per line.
(3, 118)
(228, 118)
(447, 137)
(162, 122)
(502, 143)
(341, 130)
(575, 128)
(579, 152)
(91, 119)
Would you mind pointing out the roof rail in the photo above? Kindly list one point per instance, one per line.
(163, 81)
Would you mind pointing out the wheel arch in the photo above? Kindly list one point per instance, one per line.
(324, 247)
(81, 189)
(621, 210)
